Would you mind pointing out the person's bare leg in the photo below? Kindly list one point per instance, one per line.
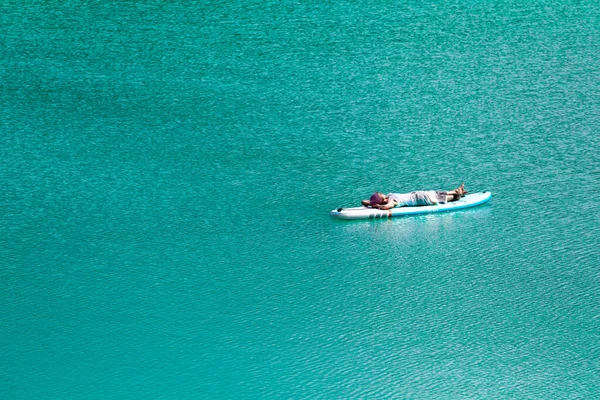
(453, 195)
(459, 190)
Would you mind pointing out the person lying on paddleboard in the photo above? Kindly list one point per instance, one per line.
(417, 198)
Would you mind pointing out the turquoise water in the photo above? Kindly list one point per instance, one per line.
(167, 172)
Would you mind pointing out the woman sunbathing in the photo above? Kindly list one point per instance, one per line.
(416, 198)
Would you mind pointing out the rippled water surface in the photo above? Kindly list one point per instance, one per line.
(167, 172)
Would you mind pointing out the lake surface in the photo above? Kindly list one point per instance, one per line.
(167, 171)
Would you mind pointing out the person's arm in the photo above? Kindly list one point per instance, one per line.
(366, 203)
(390, 204)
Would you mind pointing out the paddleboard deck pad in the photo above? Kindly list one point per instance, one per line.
(467, 201)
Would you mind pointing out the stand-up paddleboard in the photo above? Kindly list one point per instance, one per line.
(467, 201)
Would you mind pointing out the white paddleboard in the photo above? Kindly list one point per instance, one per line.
(467, 201)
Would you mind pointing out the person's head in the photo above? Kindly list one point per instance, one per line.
(377, 198)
